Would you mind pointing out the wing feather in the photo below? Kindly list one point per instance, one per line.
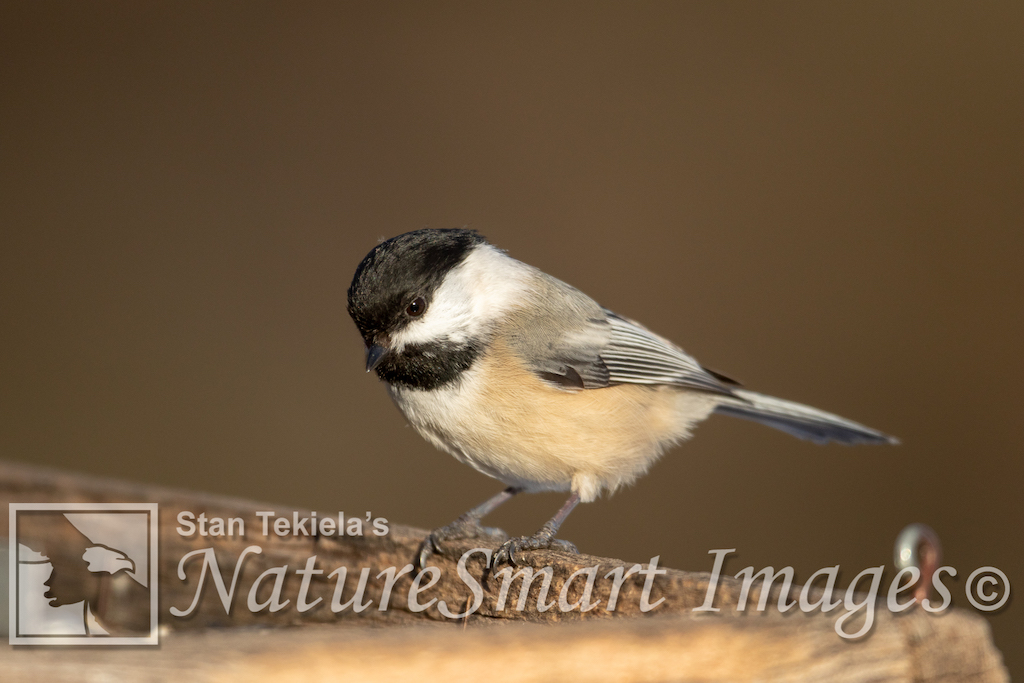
(635, 355)
(595, 347)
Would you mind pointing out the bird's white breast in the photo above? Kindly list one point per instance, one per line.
(507, 423)
(448, 418)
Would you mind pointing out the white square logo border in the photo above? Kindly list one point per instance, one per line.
(151, 509)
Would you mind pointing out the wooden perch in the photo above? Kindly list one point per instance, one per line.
(314, 579)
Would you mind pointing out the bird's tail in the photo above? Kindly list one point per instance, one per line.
(799, 420)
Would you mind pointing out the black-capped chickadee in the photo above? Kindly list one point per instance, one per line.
(530, 381)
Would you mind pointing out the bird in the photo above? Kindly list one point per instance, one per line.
(530, 381)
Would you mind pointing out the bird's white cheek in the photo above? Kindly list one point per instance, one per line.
(444, 322)
(473, 295)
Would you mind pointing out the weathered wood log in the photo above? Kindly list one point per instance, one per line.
(282, 571)
(674, 648)
(368, 554)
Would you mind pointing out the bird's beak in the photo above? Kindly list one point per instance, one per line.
(374, 355)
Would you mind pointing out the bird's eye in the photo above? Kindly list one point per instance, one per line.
(416, 307)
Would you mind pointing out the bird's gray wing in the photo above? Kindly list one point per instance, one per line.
(635, 355)
(573, 343)
(560, 335)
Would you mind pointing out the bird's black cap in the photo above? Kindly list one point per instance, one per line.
(400, 269)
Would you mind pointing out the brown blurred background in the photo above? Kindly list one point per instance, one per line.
(823, 200)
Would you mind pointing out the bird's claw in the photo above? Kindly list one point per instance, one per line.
(463, 527)
(427, 548)
(506, 554)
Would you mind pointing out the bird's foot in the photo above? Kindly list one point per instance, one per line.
(464, 527)
(542, 540)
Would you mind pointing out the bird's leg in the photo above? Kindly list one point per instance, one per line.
(545, 538)
(466, 526)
